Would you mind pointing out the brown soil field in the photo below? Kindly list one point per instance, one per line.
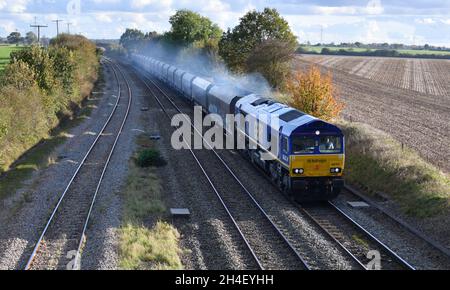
(416, 115)
(428, 76)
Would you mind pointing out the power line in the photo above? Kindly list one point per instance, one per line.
(39, 30)
(57, 21)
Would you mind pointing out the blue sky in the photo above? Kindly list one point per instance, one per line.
(405, 21)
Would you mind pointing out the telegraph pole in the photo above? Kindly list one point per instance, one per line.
(68, 27)
(39, 30)
(57, 21)
(35, 23)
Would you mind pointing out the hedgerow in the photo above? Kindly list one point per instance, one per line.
(39, 88)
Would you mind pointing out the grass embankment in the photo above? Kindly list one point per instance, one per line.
(142, 247)
(377, 163)
(5, 52)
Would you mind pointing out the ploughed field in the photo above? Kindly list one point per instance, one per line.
(407, 98)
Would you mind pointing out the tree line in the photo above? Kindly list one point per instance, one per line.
(377, 52)
(39, 88)
(261, 43)
(17, 38)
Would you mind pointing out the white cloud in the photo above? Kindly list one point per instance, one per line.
(155, 3)
(426, 21)
(14, 6)
(103, 17)
(374, 7)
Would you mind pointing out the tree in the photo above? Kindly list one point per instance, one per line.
(313, 93)
(256, 29)
(271, 58)
(132, 39)
(31, 38)
(189, 27)
(14, 37)
(38, 59)
(19, 75)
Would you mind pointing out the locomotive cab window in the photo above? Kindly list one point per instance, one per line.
(330, 144)
(303, 145)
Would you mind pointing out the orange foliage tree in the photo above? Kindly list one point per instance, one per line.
(313, 93)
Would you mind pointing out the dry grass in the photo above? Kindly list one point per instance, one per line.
(142, 194)
(378, 163)
(155, 249)
(144, 247)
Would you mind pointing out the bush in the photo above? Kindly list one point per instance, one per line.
(38, 87)
(313, 93)
(150, 157)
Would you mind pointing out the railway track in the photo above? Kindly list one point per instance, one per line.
(61, 241)
(363, 247)
(359, 244)
(334, 223)
(268, 245)
(356, 195)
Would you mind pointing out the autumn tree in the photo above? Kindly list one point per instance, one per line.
(257, 33)
(313, 93)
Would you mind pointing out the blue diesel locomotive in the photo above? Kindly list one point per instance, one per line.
(310, 158)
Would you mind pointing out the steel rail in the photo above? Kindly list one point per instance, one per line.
(119, 133)
(163, 108)
(389, 251)
(398, 221)
(55, 210)
(284, 238)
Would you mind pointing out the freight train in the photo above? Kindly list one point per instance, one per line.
(310, 158)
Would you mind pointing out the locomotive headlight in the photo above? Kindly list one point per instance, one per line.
(335, 170)
(299, 171)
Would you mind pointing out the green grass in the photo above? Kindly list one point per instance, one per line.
(5, 52)
(145, 247)
(318, 49)
(376, 162)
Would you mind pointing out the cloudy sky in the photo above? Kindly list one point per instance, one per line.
(403, 21)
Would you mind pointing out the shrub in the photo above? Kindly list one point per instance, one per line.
(39, 86)
(313, 93)
(150, 157)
